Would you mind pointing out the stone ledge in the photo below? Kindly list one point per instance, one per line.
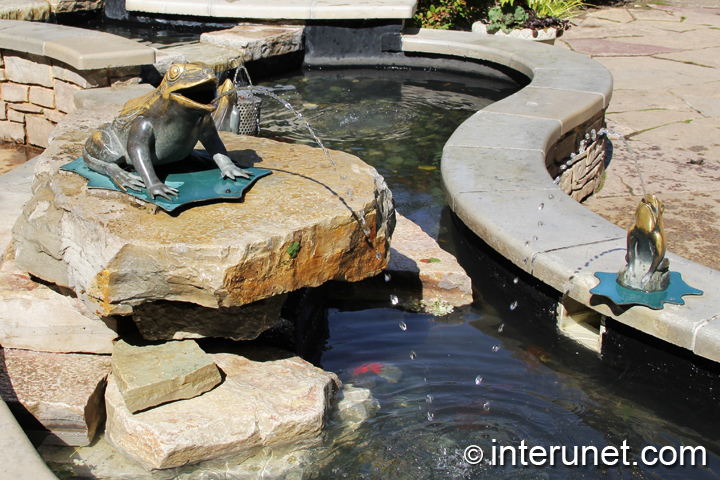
(280, 9)
(81, 49)
(530, 220)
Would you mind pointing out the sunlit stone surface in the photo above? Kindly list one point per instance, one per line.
(119, 253)
(151, 375)
(266, 403)
(64, 392)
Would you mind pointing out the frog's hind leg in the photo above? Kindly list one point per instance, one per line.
(104, 144)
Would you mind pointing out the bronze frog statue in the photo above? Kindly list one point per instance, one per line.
(161, 127)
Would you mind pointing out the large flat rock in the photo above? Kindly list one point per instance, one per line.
(270, 403)
(151, 375)
(35, 317)
(63, 392)
(118, 253)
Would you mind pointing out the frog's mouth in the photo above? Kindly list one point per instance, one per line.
(197, 96)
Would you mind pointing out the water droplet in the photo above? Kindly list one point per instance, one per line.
(551, 196)
(516, 280)
(394, 300)
(402, 325)
(366, 231)
(495, 348)
(413, 355)
(431, 416)
(535, 238)
(429, 399)
(387, 277)
(478, 380)
(541, 206)
(501, 327)
(525, 260)
(540, 224)
(486, 406)
(513, 305)
(378, 256)
(527, 244)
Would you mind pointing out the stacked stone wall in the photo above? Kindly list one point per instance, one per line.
(582, 177)
(37, 91)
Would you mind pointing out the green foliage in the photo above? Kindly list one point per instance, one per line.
(549, 8)
(449, 14)
(506, 18)
(293, 249)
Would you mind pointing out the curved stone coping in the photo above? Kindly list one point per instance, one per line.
(82, 49)
(493, 169)
(280, 9)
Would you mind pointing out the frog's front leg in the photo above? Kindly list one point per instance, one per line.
(213, 144)
(102, 153)
(141, 138)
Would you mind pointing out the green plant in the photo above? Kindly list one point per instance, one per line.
(506, 18)
(448, 14)
(549, 8)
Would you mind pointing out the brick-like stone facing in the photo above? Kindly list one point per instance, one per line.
(36, 92)
(584, 176)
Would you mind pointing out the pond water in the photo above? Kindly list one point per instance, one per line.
(496, 373)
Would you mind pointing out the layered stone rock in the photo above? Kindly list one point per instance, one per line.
(257, 41)
(301, 226)
(35, 317)
(415, 253)
(259, 404)
(63, 392)
(178, 320)
(152, 375)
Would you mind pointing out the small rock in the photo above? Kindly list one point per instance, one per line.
(64, 392)
(273, 403)
(415, 252)
(355, 405)
(156, 374)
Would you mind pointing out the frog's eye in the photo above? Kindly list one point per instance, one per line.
(174, 72)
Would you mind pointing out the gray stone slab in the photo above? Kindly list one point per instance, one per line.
(707, 340)
(30, 37)
(152, 375)
(18, 457)
(99, 50)
(280, 9)
(496, 130)
(477, 169)
(523, 224)
(567, 107)
(605, 47)
(577, 80)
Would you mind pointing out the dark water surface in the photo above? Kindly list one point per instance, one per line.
(486, 375)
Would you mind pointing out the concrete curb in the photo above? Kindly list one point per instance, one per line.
(494, 173)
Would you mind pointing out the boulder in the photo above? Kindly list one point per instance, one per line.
(35, 317)
(416, 254)
(258, 41)
(152, 375)
(63, 392)
(307, 223)
(178, 320)
(270, 403)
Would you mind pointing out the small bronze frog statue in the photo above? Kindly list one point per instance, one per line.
(647, 268)
(161, 127)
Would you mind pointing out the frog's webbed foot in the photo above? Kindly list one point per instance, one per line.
(228, 168)
(162, 190)
(124, 179)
